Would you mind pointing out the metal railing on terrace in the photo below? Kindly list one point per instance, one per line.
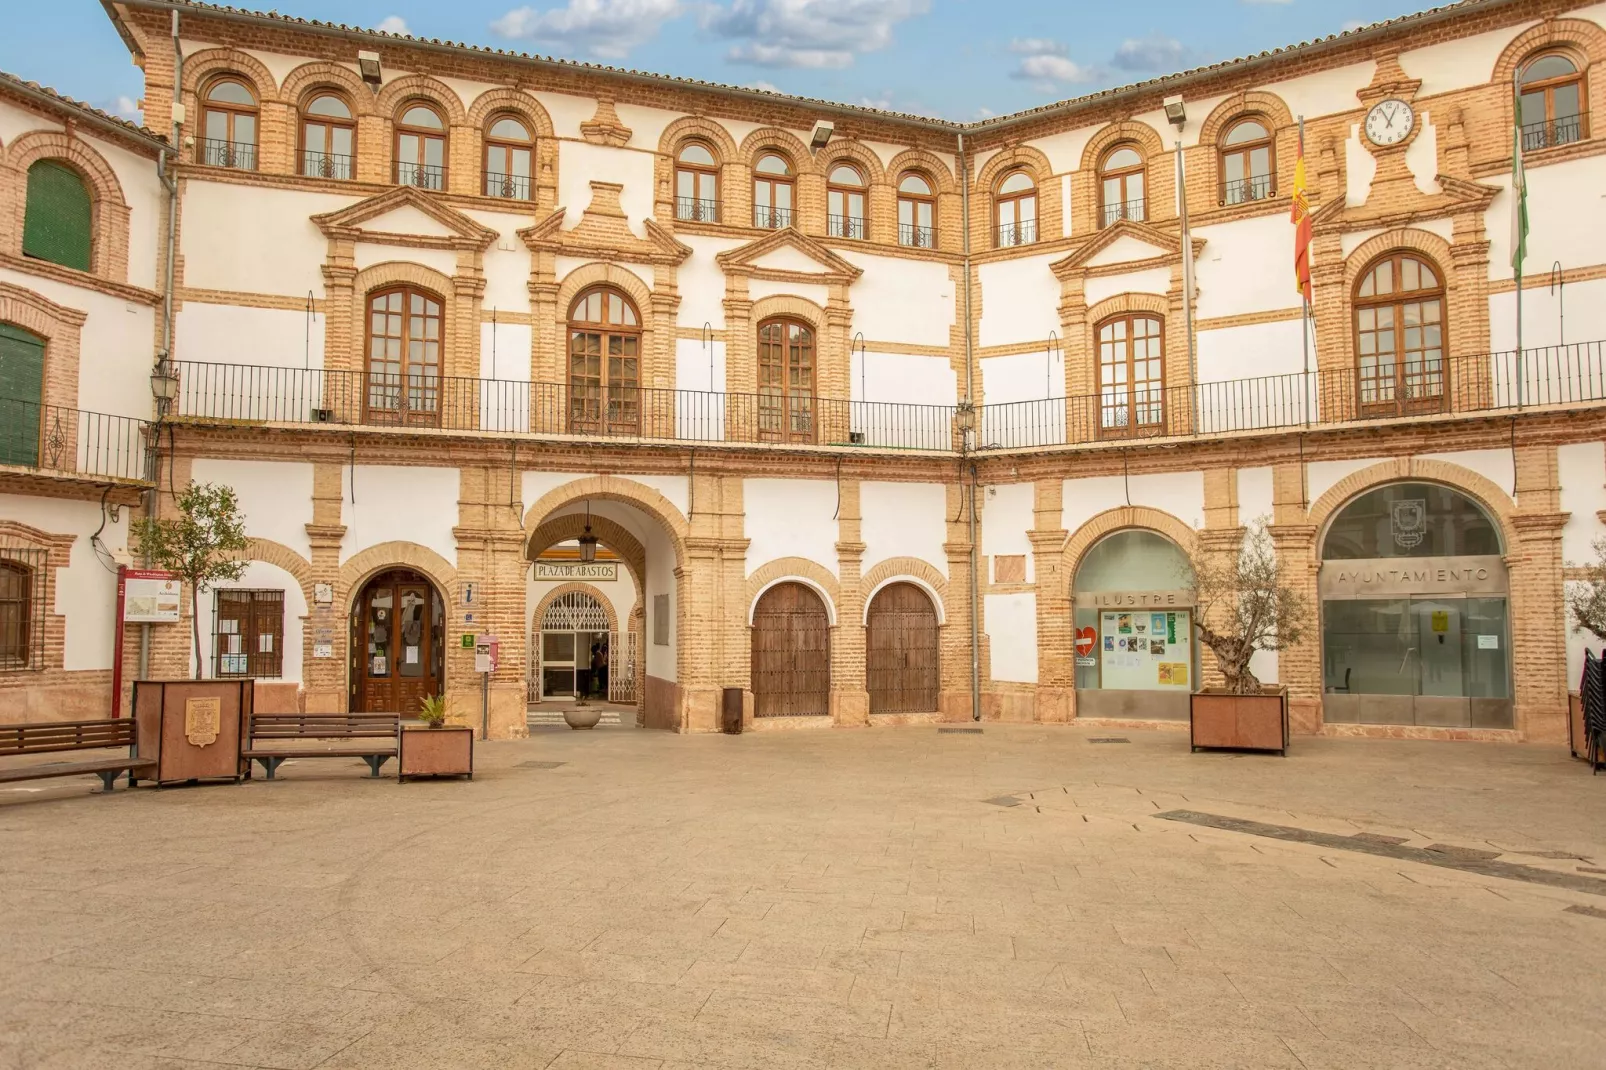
(92, 445)
(1550, 377)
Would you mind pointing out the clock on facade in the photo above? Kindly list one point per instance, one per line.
(1389, 122)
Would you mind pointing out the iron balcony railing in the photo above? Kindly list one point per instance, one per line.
(72, 442)
(1550, 377)
(327, 165)
(917, 237)
(422, 175)
(1563, 130)
(1253, 188)
(697, 209)
(1133, 210)
(1022, 233)
(845, 226)
(240, 155)
(512, 187)
(771, 218)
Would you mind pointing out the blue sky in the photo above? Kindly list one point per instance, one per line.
(961, 59)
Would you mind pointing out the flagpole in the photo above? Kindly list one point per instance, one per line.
(1519, 215)
(1304, 303)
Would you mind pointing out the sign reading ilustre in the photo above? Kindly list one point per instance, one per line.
(567, 570)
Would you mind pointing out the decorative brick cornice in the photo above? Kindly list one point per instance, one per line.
(1539, 525)
(347, 223)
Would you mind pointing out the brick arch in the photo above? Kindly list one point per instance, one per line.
(390, 273)
(364, 565)
(1015, 158)
(1251, 102)
(61, 329)
(300, 83)
(1494, 501)
(598, 273)
(109, 210)
(906, 570)
(280, 555)
(695, 127)
(1584, 41)
(1154, 304)
(790, 305)
(613, 534)
(1429, 245)
(926, 163)
(810, 574)
(1144, 136)
(614, 489)
(852, 152)
(570, 588)
(202, 67)
(772, 137)
(494, 101)
(420, 87)
(1121, 518)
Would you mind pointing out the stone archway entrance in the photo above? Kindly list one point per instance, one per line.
(398, 643)
(578, 648)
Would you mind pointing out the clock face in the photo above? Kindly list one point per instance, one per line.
(1389, 122)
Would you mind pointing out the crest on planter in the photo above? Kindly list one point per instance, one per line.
(1408, 519)
(203, 717)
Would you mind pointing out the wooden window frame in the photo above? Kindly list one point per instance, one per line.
(1246, 149)
(259, 664)
(1432, 387)
(700, 210)
(845, 224)
(913, 239)
(417, 404)
(777, 221)
(331, 123)
(1124, 176)
(442, 134)
(785, 413)
(618, 408)
(1548, 86)
(513, 187)
(1132, 427)
(1020, 233)
(23, 648)
(233, 154)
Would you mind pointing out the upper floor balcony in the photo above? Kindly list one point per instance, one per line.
(82, 445)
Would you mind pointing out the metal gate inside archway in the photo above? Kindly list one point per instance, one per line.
(576, 653)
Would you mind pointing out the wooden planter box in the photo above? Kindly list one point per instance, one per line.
(1240, 722)
(195, 729)
(444, 751)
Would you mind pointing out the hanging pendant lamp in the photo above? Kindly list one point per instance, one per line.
(588, 541)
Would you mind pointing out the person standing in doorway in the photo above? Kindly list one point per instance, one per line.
(599, 664)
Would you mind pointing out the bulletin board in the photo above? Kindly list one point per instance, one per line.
(1146, 650)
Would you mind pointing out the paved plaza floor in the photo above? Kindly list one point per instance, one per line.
(1023, 898)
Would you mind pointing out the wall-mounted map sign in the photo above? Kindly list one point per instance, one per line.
(567, 570)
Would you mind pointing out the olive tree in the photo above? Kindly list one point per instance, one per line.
(1243, 604)
(1586, 597)
(201, 544)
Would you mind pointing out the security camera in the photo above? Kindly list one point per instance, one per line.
(820, 135)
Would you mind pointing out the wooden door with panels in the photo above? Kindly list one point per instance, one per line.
(398, 633)
(791, 668)
(901, 664)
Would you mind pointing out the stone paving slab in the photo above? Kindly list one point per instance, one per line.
(631, 900)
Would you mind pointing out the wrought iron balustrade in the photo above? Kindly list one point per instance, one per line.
(845, 226)
(422, 175)
(1253, 188)
(1135, 210)
(917, 237)
(697, 209)
(72, 442)
(512, 187)
(327, 165)
(215, 152)
(771, 218)
(1562, 130)
(1022, 233)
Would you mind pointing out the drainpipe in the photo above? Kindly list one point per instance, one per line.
(964, 442)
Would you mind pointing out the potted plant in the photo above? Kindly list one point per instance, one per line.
(433, 710)
(448, 750)
(1243, 604)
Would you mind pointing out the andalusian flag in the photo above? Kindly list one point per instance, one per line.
(1519, 189)
(1301, 220)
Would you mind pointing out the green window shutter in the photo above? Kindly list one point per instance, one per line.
(56, 224)
(22, 383)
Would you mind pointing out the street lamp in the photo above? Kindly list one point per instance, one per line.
(588, 541)
(164, 382)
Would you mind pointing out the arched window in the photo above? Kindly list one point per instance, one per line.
(697, 183)
(328, 138)
(404, 357)
(1015, 210)
(785, 381)
(772, 192)
(508, 150)
(1121, 186)
(58, 219)
(229, 125)
(1399, 336)
(420, 147)
(1552, 102)
(917, 212)
(604, 364)
(844, 202)
(16, 616)
(1131, 375)
(1248, 163)
(22, 395)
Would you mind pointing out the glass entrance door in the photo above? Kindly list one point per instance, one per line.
(1436, 631)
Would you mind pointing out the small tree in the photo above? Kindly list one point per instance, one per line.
(198, 545)
(1243, 606)
(1586, 598)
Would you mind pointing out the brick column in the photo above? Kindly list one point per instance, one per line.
(850, 698)
(324, 680)
(490, 554)
(1538, 616)
(954, 700)
(1299, 667)
(1056, 634)
(1216, 546)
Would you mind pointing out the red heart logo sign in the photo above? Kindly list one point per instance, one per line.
(1085, 638)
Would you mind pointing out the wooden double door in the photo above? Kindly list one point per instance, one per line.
(901, 665)
(398, 644)
(791, 669)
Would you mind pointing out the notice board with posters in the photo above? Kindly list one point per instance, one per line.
(1146, 650)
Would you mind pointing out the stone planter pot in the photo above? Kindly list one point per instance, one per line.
(436, 751)
(1220, 718)
(582, 716)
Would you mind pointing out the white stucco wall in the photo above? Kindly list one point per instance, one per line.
(818, 293)
(1012, 631)
(903, 520)
(86, 590)
(908, 301)
(287, 250)
(790, 518)
(16, 121)
(507, 262)
(661, 581)
(580, 163)
(261, 576)
(1581, 467)
(399, 503)
(147, 204)
(1323, 92)
(1575, 315)
(1236, 273)
(907, 378)
(1179, 493)
(275, 497)
(1018, 300)
(1566, 216)
(702, 283)
(268, 337)
(1250, 352)
(1458, 64)
(1255, 494)
(1321, 476)
(700, 366)
(1494, 465)
(1006, 517)
(1151, 281)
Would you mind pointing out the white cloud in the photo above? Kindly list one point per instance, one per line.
(1045, 64)
(1033, 46)
(1354, 24)
(808, 33)
(125, 108)
(1154, 53)
(394, 24)
(608, 29)
(768, 87)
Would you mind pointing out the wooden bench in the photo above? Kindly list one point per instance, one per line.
(281, 728)
(58, 736)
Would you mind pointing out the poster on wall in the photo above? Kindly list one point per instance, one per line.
(150, 596)
(1149, 651)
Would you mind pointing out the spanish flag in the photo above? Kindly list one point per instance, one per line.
(1301, 220)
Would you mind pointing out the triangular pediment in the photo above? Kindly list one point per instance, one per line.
(1456, 196)
(604, 235)
(405, 215)
(1123, 242)
(787, 254)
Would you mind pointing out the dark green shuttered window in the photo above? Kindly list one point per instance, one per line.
(56, 226)
(22, 379)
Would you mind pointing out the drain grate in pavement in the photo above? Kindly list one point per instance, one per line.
(1003, 800)
(1108, 739)
(959, 731)
(539, 765)
(1463, 859)
(1588, 912)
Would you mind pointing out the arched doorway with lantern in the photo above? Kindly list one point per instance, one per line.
(398, 643)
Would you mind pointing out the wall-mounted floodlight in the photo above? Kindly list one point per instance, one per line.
(368, 66)
(820, 135)
(1174, 111)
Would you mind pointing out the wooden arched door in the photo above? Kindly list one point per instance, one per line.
(901, 667)
(398, 643)
(791, 653)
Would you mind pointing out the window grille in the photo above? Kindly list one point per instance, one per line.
(22, 609)
(574, 611)
(248, 633)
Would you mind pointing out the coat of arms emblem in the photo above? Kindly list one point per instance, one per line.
(203, 717)
(1408, 518)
